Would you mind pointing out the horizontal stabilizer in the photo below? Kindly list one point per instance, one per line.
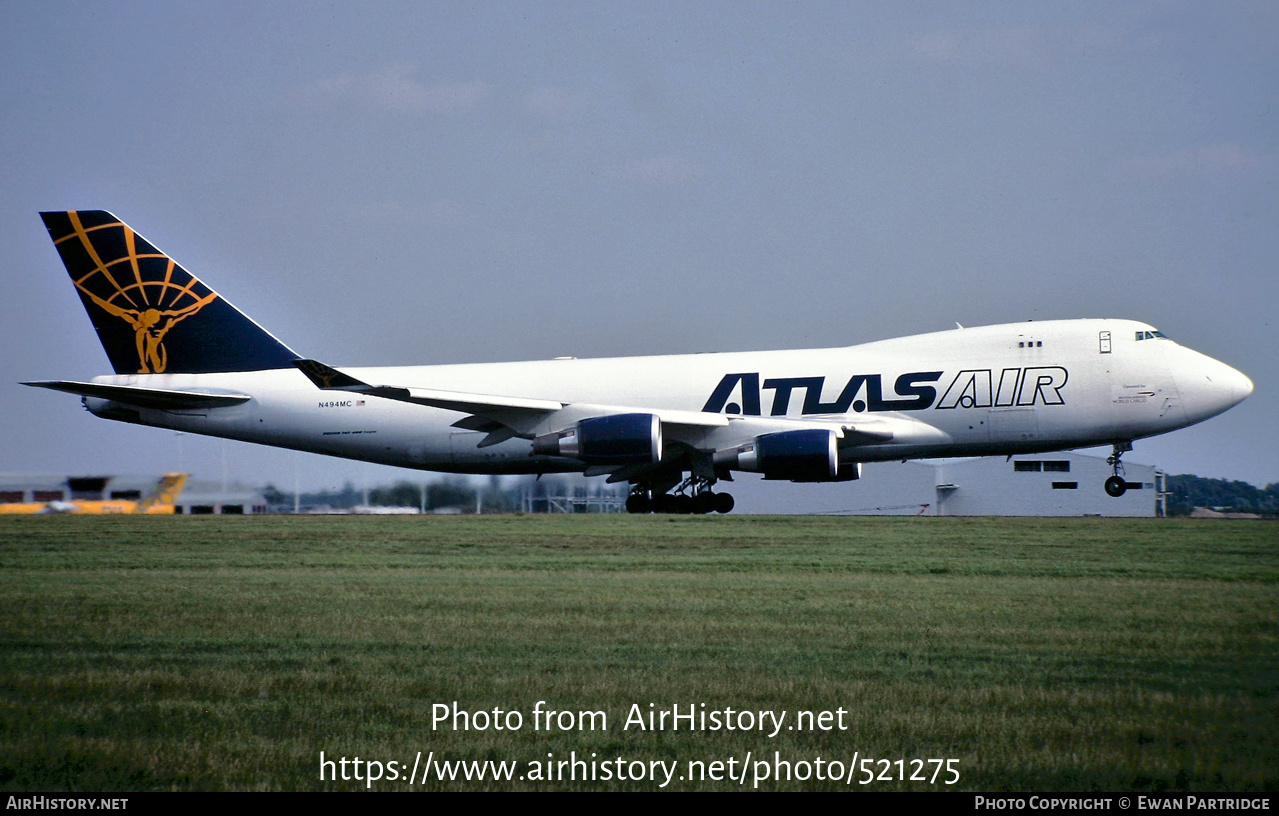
(158, 398)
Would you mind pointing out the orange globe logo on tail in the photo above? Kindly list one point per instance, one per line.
(133, 281)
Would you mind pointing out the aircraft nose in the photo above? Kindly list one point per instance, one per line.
(1242, 385)
(1234, 385)
(1209, 386)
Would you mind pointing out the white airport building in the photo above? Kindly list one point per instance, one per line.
(1049, 484)
(210, 497)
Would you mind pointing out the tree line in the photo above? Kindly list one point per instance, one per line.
(1186, 492)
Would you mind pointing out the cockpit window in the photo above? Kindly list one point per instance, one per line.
(1150, 335)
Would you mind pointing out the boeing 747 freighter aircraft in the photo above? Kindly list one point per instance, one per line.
(671, 426)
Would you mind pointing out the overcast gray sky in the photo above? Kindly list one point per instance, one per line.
(382, 183)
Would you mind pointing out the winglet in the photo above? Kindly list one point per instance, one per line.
(328, 378)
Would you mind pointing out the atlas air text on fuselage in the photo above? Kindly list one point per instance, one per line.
(970, 388)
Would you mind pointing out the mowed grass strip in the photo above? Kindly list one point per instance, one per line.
(227, 653)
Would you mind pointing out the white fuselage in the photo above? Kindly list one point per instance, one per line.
(997, 389)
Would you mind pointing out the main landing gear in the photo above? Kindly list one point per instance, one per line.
(1116, 486)
(692, 496)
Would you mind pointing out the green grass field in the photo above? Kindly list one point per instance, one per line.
(227, 653)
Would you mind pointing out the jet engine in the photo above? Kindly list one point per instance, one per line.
(800, 456)
(619, 439)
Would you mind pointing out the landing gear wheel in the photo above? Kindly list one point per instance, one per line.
(665, 503)
(693, 496)
(1116, 486)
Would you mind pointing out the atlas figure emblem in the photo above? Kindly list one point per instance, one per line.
(141, 302)
(150, 326)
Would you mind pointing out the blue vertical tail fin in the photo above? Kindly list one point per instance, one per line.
(152, 316)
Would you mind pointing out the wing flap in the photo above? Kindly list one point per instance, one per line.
(897, 430)
(475, 403)
(852, 432)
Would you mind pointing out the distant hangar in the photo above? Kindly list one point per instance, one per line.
(1056, 484)
(55, 492)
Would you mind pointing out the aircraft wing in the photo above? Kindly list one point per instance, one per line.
(488, 412)
(159, 398)
(895, 428)
(504, 417)
(328, 378)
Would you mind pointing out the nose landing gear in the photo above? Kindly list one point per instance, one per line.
(1116, 486)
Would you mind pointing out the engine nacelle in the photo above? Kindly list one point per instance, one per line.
(846, 472)
(799, 456)
(619, 439)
